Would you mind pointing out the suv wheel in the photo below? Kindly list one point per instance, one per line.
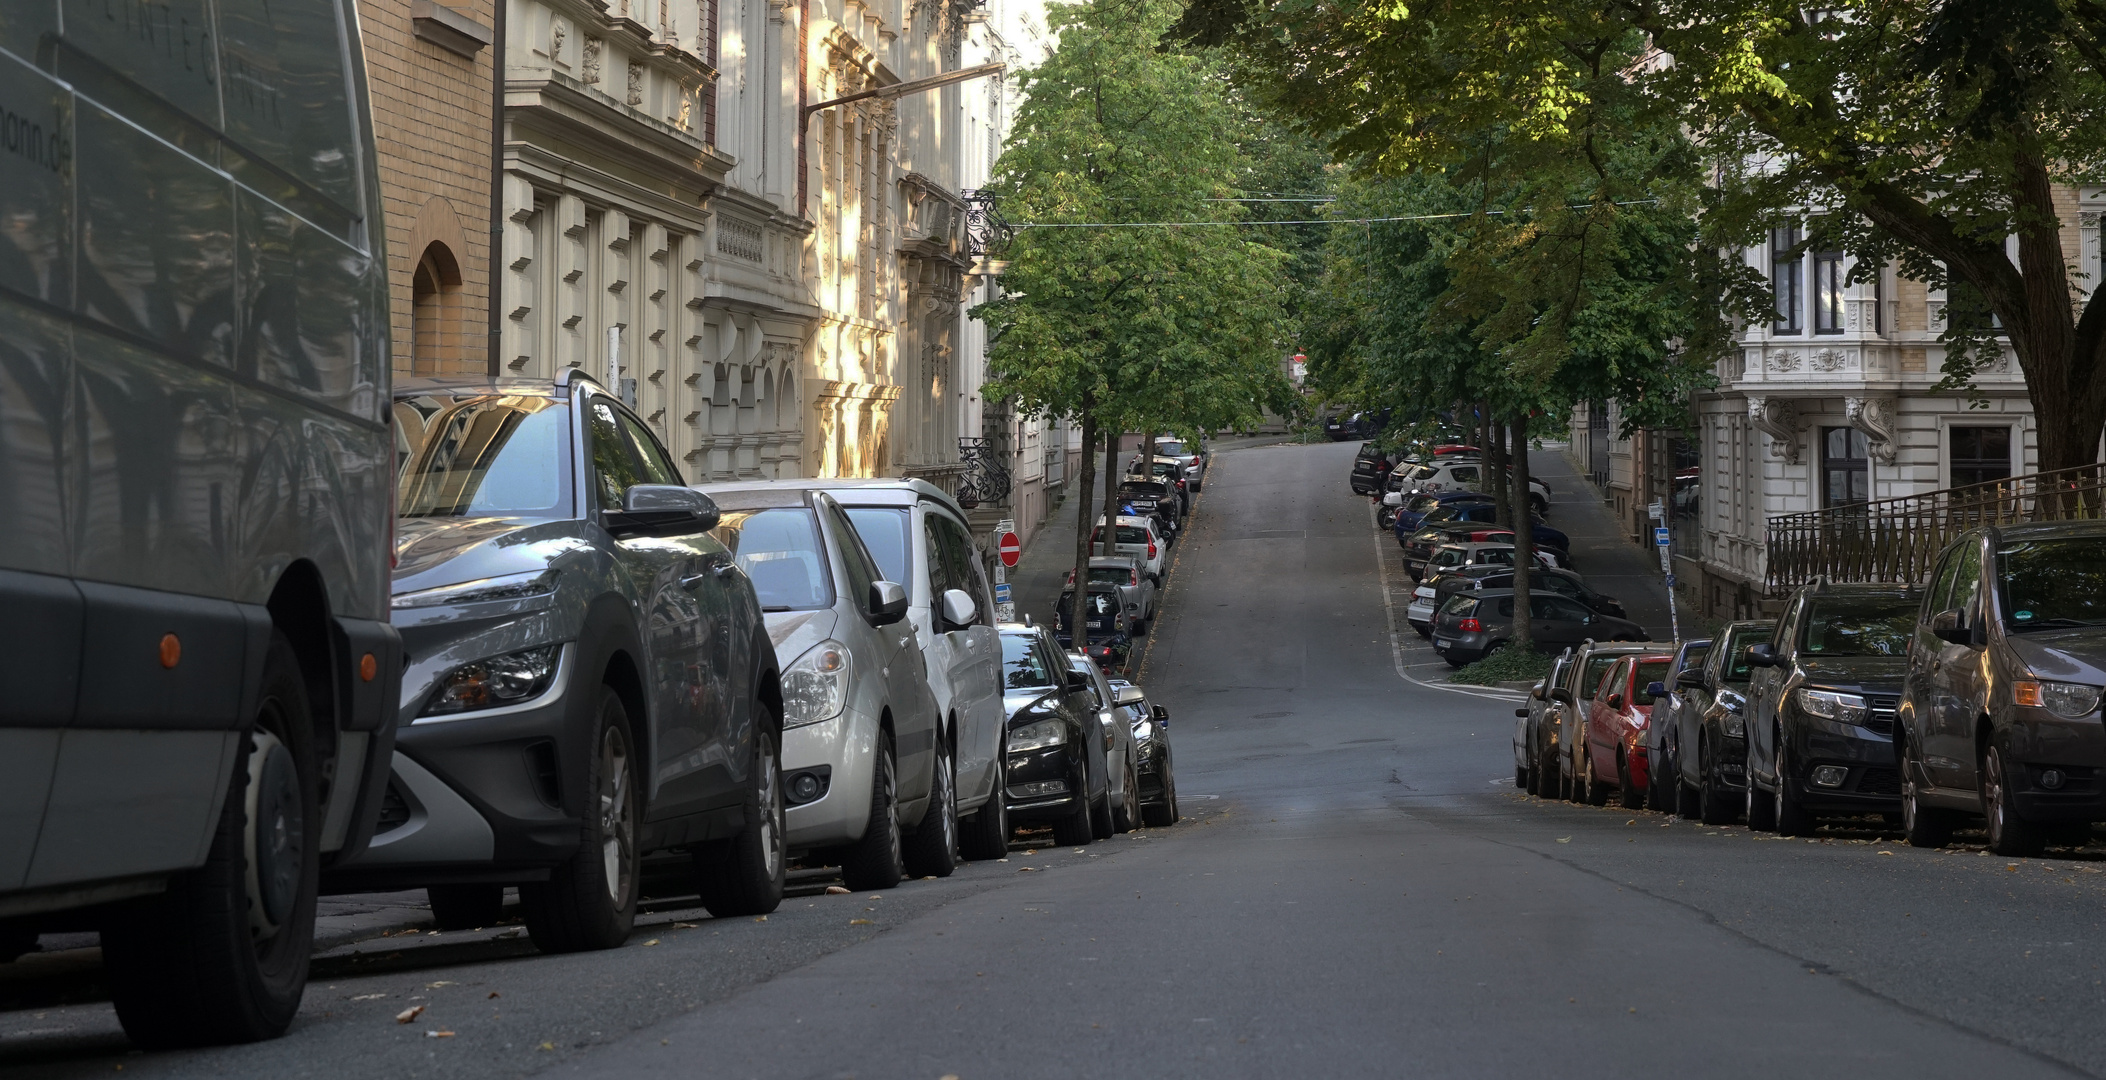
(1924, 826)
(933, 849)
(590, 901)
(1789, 814)
(985, 835)
(2009, 834)
(744, 875)
(222, 956)
(1127, 817)
(874, 862)
(1712, 805)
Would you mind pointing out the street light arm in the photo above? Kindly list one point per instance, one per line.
(913, 86)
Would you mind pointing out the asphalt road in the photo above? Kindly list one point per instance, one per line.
(1357, 890)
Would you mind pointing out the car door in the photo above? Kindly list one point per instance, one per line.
(1955, 680)
(967, 655)
(1601, 718)
(1766, 692)
(905, 671)
(674, 730)
(1557, 622)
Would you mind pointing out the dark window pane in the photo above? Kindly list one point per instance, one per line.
(1980, 454)
(2053, 583)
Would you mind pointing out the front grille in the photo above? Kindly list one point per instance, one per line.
(1881, 719)
(1874, 780)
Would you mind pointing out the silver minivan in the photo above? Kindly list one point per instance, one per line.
(860, 762)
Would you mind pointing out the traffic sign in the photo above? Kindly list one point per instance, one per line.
(1002, 593)
(1010, 548)
(1660, 537)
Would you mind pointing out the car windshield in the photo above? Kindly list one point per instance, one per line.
(1422, 503)
(780, 551)
(2053, 583)
(884, 533)
(1649, 672)
(1023, 664)
(482, 455)
(1420, 472)
(1114, 575)
(1859, 626)
(1739, 671)
(1171, 449)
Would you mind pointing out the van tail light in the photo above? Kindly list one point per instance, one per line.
(1470, 626)
(1133, 577)
(1071, 578)
(1151, 549)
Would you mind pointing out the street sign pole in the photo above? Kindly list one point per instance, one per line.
(1667, 571)
(1007, 552)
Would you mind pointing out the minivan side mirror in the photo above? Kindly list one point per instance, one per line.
(888, 602)
(1949, 625)
(1162, 715)
(959, 611)
(1693, 678)
(660, 510)
(1761, 654)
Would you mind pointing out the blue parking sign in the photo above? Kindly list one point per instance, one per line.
(1002, 593)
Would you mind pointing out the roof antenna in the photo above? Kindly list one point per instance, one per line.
(1027, 619)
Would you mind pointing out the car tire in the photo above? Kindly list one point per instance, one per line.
(1788, 815)
(1547, 774)
(1101, 825)
(1597, 791)
(1425, 632)
(932, 850)
(465, 907)
(1627, 792)
(875, 861)
(1714, 803)
(1163, 814)
(1923, 826)
(985, 835)
(1074, 829)
(2010, 835)
(1761, 806)
(589, 902)
(744, 874)
(1658, 797)
(1688, 800)
(186, 967)
(1522, 778)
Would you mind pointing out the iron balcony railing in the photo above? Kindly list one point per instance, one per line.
(985, 480)
(1897, 540)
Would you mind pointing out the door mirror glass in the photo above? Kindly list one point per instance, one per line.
(660, 510)
(1950, 626)
(959, 611)
(1615, 701)
(888, 602)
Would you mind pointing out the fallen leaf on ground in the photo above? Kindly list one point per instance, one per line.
(685, 925)
(436, 985)
(1564, 839)
(438, 1034)
(760, 918)
(859, 922)
(836, 890)
(546, 1046)
(1886, 853)
(653, 941)
(409, 1014)
(493, 994)
(1030, 851)
(368, 997)
(1025, 869)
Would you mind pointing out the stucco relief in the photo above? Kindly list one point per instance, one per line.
(1782, 360)
(1875, 417)
(1779, 419)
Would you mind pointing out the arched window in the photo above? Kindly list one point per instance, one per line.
(436, 334)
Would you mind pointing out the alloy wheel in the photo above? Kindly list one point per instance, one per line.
(617, 816)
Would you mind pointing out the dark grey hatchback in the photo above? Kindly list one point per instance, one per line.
(2000, 711)
(588, 677)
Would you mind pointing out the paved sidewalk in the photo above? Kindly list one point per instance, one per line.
(1609, 562)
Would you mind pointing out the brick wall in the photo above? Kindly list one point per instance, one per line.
(431, 119)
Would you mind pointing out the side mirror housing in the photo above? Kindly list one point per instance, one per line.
(1078, 682)
(1394, 498)
(1615, 701)
(1692, 678)
(1561, 695)
(1950, 626)
(888, 602)
(1129, 695)
(1162, 715)
(959, 611)
(660, 510)
(1761, 654)
(1656, 689)
(1521, 713)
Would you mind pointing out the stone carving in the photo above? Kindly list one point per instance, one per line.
(591, 73)
(1782, 360)
(1875, 417)
(1827, 360)
(636, 72)
(1779, 419)
(556, 32)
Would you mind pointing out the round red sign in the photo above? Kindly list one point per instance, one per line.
(1010, 548)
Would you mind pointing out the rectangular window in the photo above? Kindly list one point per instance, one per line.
(1784, 278)
(1979, 455)
(1846, 466)
(1828, 292)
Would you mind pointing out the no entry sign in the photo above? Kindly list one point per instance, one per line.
(1009, 548)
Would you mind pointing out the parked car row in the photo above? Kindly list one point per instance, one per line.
(1974, 698)
(1125, 581)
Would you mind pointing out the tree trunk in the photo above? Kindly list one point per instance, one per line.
(1524, 537)
(1079, 602)
(1111, 493)
(1495, 479)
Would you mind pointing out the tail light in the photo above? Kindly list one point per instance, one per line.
(1151, 549)
(1133, 577)
(1470, 626)
(1071, 577)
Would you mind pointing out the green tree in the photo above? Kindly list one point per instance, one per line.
(1175, 327)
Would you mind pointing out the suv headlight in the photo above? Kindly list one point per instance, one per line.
(2071, 701)
(506, 587)
(1842, 708)
(816, 686)
(498, 681)
(1037, 735)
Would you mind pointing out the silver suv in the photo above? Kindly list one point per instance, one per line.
(588, 680)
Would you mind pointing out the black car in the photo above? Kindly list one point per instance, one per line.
(1371, 470)
(1152, 499)
(2000, 707)
(1471, 625)
(1669, 702)
(1562, 582)
(1054, 768)
(1822, 703)
(1705, 736)
(1151, 738)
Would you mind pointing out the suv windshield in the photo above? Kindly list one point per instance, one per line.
(884, 533)
(483, 455)
(779, 550)
(1859, 626)
(2053, 583)
(1023, 665)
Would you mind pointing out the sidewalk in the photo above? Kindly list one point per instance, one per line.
(1610, 563)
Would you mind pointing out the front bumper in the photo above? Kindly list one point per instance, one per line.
(845, 749)
(1055, 763)
(1872, 784)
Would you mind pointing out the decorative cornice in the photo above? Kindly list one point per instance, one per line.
(1779, 419)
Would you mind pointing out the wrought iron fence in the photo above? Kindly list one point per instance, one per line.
(1898, 539)
(985, 480)
(987, 233)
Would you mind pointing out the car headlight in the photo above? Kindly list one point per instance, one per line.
(1143, 731)
(506, 587)
(2071, 701)
(1733, 725)
(498, 681)
(1842, 708)
(1037, 735)
(815, 688)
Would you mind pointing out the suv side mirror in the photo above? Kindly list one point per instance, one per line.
(1950, 626)
(660, 510)
(1561, 695)
(1129, 695)
(1762, 654)
(1693, 678)
(888, 602)
(959, 611)
(1078, 682)
(1162, 715)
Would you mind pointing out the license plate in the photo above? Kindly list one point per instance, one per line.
(1441, 643)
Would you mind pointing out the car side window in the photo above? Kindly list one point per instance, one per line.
(937, 568)
(1937, 598)
(614, 465)
(958, 558)
(1967, 582)
(1609, 678)
(657, 465)
(1557, 607)
(855, 558)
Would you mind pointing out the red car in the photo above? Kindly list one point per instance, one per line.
(1615, 728)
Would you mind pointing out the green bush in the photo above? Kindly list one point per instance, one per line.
(1503, 666)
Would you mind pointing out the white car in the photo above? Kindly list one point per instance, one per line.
(1137, 537)
(1192, 458)
(1450, 474)
(1419, 613)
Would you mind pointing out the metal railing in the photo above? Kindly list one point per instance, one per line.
(1898, 539)
(985, 480)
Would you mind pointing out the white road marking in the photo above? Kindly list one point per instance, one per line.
(1396, 644)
